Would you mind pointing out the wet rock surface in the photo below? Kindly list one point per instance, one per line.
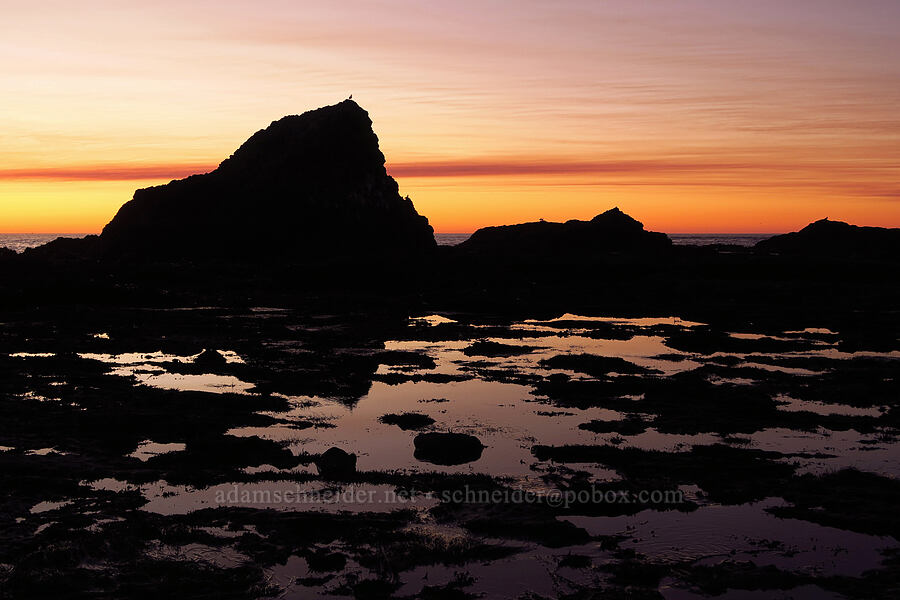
(128, 466)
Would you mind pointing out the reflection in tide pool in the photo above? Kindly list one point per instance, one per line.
(745, 532)
(150, 369)
(148, 449)
(650, 391)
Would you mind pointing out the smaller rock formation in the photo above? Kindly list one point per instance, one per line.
(407, 421)
(494, 349)
(337, 464)
(65, 249)
(611, 231)
(836, 239)
(211, 359)
(447, 448)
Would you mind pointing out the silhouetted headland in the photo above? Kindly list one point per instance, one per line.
(306, 187)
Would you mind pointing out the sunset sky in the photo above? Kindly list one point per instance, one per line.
(692, 116)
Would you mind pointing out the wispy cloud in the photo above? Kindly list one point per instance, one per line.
(471, 167)
(487, 168)
(106, 172)
(853, 180)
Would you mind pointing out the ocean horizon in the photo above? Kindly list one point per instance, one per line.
(19, 242)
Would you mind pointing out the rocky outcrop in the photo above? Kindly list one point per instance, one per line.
(66, 249)
(836, 239)
(210, 359)
(407, 421)
(447, 448)
(308, 187)
(611, 231)
(337, 464)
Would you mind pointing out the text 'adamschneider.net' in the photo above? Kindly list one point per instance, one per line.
(351, 495)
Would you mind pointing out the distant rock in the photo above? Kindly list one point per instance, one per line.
(611, 231)
(335, 463)
(834, 239)
(447, 448)
(6, 253)
(308, 187)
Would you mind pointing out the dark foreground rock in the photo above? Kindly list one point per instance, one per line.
(447, 448)
(210, 359)
(67, 249)
(836, 239)
(336, 464)
(494, 349)
(407, 421)
(611, 231)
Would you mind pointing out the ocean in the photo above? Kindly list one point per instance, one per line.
(21, 241)
(707, 239)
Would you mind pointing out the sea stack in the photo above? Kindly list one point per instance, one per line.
(310, 186)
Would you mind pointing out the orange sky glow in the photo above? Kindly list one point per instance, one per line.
(690, 115)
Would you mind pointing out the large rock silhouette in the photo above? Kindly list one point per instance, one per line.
(308, 186)
(611, 231)
(836, 239)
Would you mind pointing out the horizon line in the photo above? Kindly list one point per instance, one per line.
(83, 233)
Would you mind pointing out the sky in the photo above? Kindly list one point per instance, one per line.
(690, 115)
